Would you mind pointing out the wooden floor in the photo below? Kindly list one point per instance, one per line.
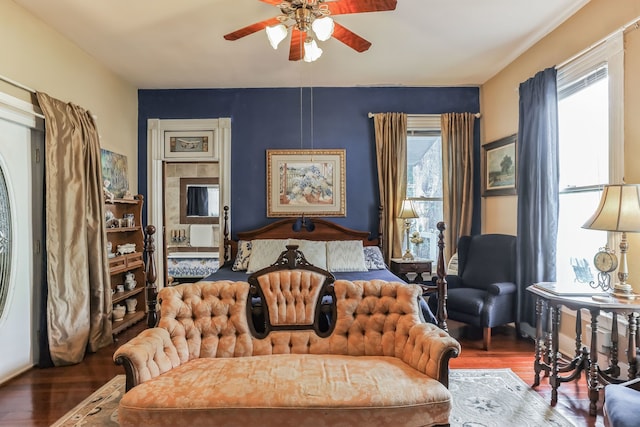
(40, 396)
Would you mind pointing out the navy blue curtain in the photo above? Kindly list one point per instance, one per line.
(537, 185)
(197, 201)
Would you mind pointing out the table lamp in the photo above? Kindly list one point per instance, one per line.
(407, 212)
(619, 210)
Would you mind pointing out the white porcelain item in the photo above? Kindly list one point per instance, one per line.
(118, 312)
(131, 304)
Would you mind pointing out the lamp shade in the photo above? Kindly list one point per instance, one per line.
(323, 28)
(311, 50)
(619, 209)
(407, 210)
(275, 34)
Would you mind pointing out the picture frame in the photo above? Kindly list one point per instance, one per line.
(499, 167)
(306, 182)
(190, 145)
(114, 171)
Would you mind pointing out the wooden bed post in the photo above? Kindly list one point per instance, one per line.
(380, 235)
(227, 244)
(441, 282)
(152, 276)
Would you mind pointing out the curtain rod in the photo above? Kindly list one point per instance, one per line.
(370, 115)
(634, 23)
(16, 84)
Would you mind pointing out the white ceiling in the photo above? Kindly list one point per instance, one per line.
(179, 43)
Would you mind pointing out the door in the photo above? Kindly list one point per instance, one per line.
(19, 139)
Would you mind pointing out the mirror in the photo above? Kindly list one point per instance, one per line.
(199, 201)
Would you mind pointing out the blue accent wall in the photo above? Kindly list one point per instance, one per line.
(271, 118)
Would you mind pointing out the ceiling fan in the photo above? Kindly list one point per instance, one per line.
(307, 18)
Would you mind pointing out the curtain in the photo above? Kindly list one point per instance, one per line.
(391, 156)
(537, 183)
(457, 173)
(79, 291)
(197, 201)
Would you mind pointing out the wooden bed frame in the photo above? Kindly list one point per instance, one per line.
(283, 229)
(326, 230)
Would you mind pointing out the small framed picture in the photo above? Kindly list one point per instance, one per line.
(190, 145)
(499, 166)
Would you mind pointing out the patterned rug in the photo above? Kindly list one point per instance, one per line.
(481, 398)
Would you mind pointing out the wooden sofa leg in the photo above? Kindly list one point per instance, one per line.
(486, 338)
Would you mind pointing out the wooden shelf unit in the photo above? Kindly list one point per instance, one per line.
(120, 265)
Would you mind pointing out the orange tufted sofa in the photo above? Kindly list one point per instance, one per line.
(379, 365)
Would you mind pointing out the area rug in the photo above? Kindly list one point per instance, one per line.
(481, 398)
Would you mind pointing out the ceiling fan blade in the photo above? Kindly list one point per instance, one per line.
(296, 50)
(250, 29)
(343, 7)
(272, 2)
(350, 38)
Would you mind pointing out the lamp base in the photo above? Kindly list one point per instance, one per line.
(408, 256)
(622, 288)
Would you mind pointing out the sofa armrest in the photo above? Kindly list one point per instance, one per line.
(502, 288)
(146, 356)
(429, 350)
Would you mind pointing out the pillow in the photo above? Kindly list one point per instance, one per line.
(265, 252)
(373, 258)
(314, 251)
(345, 255)
(452, 268)
(242, 257)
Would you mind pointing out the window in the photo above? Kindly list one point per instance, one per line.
(424, 181)
(589, 133)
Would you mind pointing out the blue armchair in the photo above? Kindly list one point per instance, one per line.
(621, 404)
(483, 293)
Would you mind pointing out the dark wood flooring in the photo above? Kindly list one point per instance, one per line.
(40, 396)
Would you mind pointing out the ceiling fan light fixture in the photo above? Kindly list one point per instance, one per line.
(275, 34)
(311, 50)
(323, 28)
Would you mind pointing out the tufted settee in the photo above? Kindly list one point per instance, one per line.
(213, 362)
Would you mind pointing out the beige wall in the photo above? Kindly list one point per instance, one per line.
(38, 57)
(499, 99)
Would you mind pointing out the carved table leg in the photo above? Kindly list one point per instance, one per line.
(632, 350)
(614, 369)
(578, 332)
(537, 366)
(554, 379)
(592, 376)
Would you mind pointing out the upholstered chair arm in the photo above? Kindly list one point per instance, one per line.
(429, 349)
(146, 356)
(502, 288)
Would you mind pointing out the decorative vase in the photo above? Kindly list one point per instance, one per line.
(118, 312)
(131, 304)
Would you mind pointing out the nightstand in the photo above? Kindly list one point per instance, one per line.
(418, 269)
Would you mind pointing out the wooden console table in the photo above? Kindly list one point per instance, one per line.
(550, 299)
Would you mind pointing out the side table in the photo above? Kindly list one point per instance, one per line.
(420, 267)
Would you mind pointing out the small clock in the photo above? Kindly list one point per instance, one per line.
(605, 260)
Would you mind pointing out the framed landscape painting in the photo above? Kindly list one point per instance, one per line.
(499, 165)
(114, 170)
(194, 145)
(309, 182)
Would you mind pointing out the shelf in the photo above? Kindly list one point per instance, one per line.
(123, 229)
(122, 201)
(121, 296)
(129, 320)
